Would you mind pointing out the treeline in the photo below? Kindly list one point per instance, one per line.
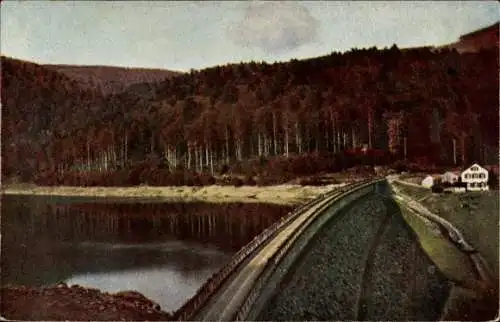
(307, 168)
(419, 106)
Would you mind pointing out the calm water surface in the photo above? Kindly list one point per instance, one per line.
(165, 251)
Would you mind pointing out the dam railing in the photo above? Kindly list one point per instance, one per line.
(199, 300)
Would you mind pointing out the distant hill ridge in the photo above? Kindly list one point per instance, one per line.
(112, 79)
(484, 38)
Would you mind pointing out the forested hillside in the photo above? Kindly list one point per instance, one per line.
(110, 79)
(39, 108)
(420, 106)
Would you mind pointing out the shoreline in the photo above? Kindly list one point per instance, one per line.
(288, 194)
(77, 303)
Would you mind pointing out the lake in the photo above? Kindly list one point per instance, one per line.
(164, 250)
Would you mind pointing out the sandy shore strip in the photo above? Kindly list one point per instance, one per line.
(279, 194)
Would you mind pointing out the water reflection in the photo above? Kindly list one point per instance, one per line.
(169, 273)
(163, 250)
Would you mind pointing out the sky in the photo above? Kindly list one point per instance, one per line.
(188, 35)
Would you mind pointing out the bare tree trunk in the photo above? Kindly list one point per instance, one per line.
(122, 152)
(286, 141)
(207, 161)
(110, 156)
(227, 145)
(298, 138)
(265, 146)
(483, 150)
(88, 156)
(200, 154)
(166, 153)
(336, 136)
(259, 144)
(307, 140)
(454, 151)
(189, 157)
(106, 160)
(115, 155)
(370, 129)
(239, 152)
(275, 144)
(152, 143)
(316, 141)
(462, 146)
(252, 148)
(176, 161)
(211, 160)
(168, 156)
(196, 159)
(405, 147)
(353, 136)
(100, 162)
(126, 147)
(327, 138)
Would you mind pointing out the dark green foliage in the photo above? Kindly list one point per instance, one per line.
(237, 182)
(437, 188)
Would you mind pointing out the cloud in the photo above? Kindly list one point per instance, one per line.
(275, 27)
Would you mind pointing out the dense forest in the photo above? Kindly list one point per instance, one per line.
(363, 107)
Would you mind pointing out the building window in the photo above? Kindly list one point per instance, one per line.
(482, 176)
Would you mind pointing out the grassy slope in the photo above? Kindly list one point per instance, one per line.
(475, 214)
(450, 260)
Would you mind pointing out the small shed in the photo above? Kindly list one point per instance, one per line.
(428, 182)
(450, 177)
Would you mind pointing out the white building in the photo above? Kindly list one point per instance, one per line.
(428, 182)
(476, 178)
(449, 177)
